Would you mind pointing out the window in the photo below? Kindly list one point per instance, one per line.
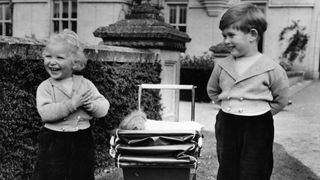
(64, 15)
(178, 16)
(5, 19)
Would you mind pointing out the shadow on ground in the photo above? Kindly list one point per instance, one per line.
(286, 167)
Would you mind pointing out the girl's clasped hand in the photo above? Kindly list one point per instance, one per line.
(82, 100)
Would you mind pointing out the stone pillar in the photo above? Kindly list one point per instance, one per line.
(144, 28)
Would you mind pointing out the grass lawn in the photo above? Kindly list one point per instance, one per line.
(286, 167)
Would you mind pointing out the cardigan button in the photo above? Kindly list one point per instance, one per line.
(241, 99)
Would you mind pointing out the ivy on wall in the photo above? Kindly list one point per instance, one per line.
(296, 39)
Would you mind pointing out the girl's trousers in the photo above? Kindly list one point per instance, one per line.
(65, 155)
(244, 146)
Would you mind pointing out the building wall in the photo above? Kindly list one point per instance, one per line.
(203, 28)
(313, 51)
(94, 13)
(280, 14)
(272, 46)
(31, 18)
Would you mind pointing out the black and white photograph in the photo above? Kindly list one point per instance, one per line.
(159, 90)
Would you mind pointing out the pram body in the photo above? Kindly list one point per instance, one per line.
(157, 155)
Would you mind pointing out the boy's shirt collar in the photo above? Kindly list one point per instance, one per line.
(260, 66)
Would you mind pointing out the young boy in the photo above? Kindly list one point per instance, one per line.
(250, 88)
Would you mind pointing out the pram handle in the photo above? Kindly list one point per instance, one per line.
(169, 86)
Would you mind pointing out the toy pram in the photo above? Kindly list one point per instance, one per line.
(161, 154)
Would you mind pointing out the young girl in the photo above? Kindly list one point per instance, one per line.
(66, 102)
(250, 88)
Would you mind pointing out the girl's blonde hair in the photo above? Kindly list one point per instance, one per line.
(72, 40)
(134, 121)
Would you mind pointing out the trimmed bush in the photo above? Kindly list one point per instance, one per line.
(196, 77)
(19, 126)
(196, 71)
(20, 122)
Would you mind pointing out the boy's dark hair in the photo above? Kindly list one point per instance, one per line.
(244, 17)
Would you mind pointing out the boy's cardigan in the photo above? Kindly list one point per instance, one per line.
(264, 86)
(56, 110)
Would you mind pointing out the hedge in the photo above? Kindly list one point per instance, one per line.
(196, 71)
(198, 78)
(20, 122)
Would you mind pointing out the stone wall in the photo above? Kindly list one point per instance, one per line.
(28, 48)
